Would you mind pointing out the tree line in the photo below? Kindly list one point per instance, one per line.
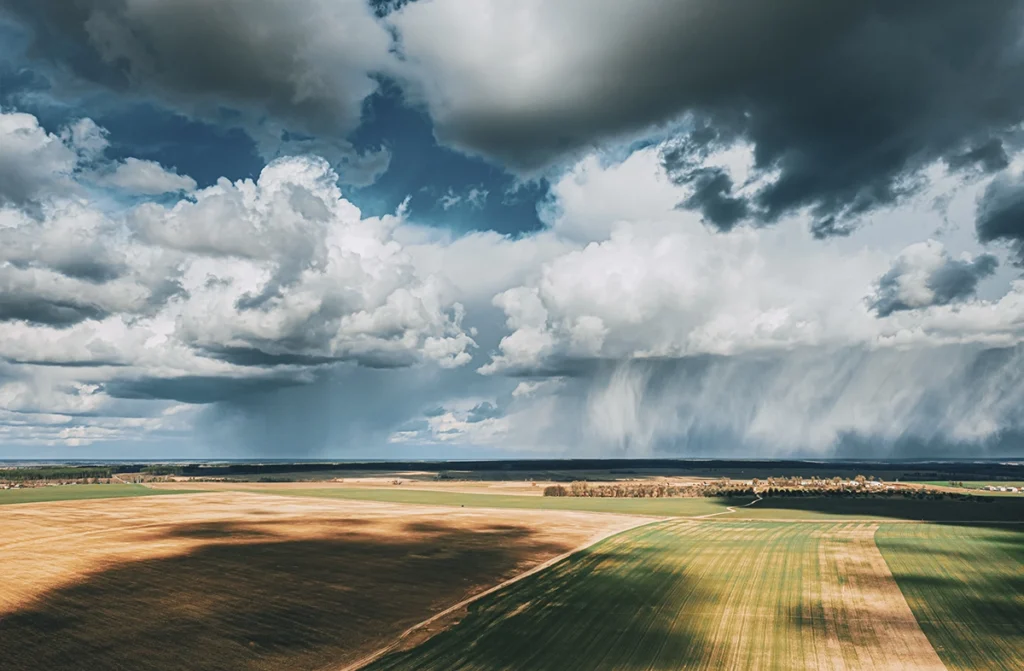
(649, 490)
(30, 474)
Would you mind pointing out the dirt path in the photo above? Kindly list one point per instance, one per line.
(417, 628)
(728, 509)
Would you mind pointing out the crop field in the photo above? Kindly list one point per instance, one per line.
(231, 580)
(965, 585)
(821, 508)
(666, 507)
(80, 493)
(976, 509)
(983, 509)
(305, 577)
(695, 594)
(981, 484)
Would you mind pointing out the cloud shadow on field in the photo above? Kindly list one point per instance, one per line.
(607, 607)
(962, 580)
(252, 598)
(990, 511)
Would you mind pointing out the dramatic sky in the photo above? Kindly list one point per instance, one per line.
(464, 228)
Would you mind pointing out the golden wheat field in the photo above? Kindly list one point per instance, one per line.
(245, 581)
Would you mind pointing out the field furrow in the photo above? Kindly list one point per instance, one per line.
(703, 594)
(965, 585)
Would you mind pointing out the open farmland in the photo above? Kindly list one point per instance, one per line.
(233, 580)
(823, 508)
(698, 595)
(980, 485)
(82, 493)
(965, 585)
(665, 507)
(976, 509)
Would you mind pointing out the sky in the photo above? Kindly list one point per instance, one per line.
(511, 228)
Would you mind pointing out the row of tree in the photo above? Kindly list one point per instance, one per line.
(904, 493)
(55, 473)
(649, 490)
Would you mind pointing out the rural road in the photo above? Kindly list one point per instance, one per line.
(728, 509)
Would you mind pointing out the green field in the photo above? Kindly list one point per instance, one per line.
(976, 509)
(666, 507)
(79, 492)
(981, 484)
(696, 595)
(966, 588)
(804, 508)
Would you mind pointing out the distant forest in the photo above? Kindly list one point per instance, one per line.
(566, 470)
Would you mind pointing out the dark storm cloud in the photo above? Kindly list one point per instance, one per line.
(950, 281)
(44, 312)
(90, 270)
(713, 198)
(95, 271)
(268, 66)
(849, 122)
(1001, 214)
(843, 102)
(990, 157)
(196, 389)
(250, 356)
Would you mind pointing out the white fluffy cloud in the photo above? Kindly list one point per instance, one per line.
(252, 280)
(35, 164)
(146, 178)
(661, 285)
(292, 270)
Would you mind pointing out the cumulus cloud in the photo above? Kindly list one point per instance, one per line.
(238, 289)
(662, 286)
(35, 164)
(145, 178)
(843, 104)
(299, 272)
(925, 274)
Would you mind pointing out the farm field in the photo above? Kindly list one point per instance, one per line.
(665, 507)
(81, 493)
(965, 586)
(981, 509)
(804, 508)
(233, 580)
(695, 594)
(510, 487)
(980, 485)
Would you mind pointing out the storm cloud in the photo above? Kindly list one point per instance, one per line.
(842, 103)
(1001, 214)
(295, 75)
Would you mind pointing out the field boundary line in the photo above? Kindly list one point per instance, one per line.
(374, 656)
